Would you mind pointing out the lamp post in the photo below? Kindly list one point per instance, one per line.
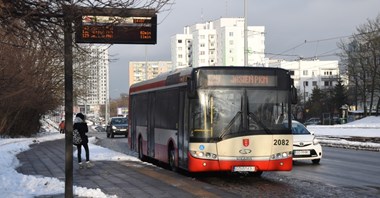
(245, 33)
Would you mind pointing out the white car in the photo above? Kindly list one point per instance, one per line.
(305, 145)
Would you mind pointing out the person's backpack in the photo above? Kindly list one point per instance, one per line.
(76, 137)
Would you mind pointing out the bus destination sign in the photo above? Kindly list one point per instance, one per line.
(117, 29)
(242, 80)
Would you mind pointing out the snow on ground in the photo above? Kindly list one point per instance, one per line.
(361, 134)
(14, 184)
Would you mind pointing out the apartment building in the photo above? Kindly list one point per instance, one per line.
(218, 43)
(97, 85)
(144, 70)
(309, 74)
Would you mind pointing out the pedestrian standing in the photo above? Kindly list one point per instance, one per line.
(62, 127)
(81, 126)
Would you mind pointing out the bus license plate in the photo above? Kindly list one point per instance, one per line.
(244, 169)
(301, 152)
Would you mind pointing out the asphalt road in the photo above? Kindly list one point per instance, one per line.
(341, 173)
(346, 168)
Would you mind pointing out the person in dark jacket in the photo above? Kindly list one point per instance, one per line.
(81, 126)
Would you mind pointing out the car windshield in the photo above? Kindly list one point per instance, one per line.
(221, 112)
(299, 129)
(119, 121)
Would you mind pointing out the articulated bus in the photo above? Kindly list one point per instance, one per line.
(205, 119)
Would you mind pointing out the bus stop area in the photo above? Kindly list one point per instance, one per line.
(114, 178)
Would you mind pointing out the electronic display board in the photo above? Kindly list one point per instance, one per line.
(244, 80)
(117, 29)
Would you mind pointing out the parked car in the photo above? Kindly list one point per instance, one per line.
(313, 121)
(117, 126)
(305, 145)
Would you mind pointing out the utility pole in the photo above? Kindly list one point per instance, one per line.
(68, 62)
(245, 33)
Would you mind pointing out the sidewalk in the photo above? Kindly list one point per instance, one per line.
(123, 179)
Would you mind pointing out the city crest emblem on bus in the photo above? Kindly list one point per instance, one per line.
(245, 142)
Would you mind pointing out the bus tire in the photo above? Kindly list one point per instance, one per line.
(140, 151)
(171, 155)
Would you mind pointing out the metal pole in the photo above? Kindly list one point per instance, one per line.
(245, 33)
(68, 50)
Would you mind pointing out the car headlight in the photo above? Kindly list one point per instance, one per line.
(113, 127)
(315, 141)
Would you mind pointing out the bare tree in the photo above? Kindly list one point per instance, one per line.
(31, 65)
(361, 56)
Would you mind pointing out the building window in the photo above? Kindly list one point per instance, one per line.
(179, 40)
(314, 83)
(202, 36)
(304, 72)
(231, 34)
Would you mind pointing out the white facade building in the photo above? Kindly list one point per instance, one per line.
(97, 85)
(218, 43)
(310, 74)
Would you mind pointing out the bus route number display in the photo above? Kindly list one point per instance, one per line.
(117, 30)
(242, 80)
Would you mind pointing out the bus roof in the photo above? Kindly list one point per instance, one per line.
(179, 77)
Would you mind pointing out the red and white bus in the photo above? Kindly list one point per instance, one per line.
(214, 119)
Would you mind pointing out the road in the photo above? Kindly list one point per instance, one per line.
(341, 173)
(345, 168)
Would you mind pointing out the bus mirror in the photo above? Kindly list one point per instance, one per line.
(190, 88)
(293, 93)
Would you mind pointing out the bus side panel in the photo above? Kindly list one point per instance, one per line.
(162, 138)
(138, 118)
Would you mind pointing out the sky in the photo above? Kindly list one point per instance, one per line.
(14, 184)
(288, 24)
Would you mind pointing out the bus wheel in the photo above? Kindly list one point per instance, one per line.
(172, 159)
(140, 151)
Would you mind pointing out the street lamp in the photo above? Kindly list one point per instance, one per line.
(245, 33)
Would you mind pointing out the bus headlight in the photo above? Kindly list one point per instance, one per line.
(203, 155)
(281, 155)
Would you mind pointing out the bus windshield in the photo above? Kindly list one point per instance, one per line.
(222, 113)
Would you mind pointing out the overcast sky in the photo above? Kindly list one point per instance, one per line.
(288, 24)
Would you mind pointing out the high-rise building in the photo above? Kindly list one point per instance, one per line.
(218, 43)
(144, 70)
(96, 88)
